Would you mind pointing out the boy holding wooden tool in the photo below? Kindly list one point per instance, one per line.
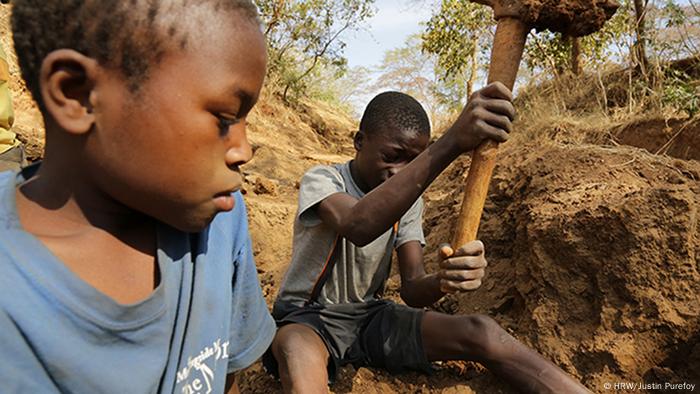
(351, 217)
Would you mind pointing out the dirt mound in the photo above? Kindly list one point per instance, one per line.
(576, 18)
(673, 137)
(594, 258)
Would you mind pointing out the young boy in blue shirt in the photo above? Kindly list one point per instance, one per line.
(125, 258)
(351, 217)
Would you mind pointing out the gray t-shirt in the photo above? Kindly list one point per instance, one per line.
(359, 273)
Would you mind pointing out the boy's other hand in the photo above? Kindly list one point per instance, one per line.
(463, 269)
(488, 114)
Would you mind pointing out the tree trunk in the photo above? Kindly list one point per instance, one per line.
(639, 48)
(576, 55)
(474, 70)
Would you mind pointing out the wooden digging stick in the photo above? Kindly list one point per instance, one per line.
(507, 51)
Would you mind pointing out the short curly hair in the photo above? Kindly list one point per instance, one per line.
(126, 35)
(394, 111)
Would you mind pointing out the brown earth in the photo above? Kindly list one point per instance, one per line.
(594, 256)
(673, 137)
(573, 17)
(594, 248)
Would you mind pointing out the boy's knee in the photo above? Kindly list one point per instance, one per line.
(297, 342)
(483, 337)
(301, 358)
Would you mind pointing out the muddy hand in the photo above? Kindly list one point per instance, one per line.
(461, 270)
(488, 114)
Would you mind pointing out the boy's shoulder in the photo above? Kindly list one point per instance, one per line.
(333, 169)
(337, 174)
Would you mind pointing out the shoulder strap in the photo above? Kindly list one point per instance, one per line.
(328, 267)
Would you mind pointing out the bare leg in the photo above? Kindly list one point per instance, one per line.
(479, 338)
(302, 358)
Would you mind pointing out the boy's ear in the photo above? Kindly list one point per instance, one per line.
(358, 140)
(67, 80)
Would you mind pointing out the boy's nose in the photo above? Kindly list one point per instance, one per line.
(239, 151)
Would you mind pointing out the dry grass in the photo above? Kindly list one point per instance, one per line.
(590, 107)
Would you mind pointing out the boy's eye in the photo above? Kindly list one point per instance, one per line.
(389, 158)
(225, 123)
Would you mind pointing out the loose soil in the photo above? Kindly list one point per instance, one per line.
(573, 17)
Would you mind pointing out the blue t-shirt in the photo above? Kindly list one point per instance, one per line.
(206, 318)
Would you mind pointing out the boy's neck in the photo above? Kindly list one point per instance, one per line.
(60, 199)
(105, 244)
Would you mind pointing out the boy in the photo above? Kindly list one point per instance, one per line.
(125, 260)
(350, 218)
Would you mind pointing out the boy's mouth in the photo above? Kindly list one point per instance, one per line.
(224, 202)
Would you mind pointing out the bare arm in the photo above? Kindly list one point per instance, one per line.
(361, 221)
(487, 115)
(418, 289)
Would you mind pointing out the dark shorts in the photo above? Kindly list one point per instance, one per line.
(379, 334)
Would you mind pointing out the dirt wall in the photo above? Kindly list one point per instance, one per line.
(594, 258)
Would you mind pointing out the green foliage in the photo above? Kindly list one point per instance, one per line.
(459, 28)
(675, 32)
(460, 35)
(303, 35)
(451, 92)
(546, 50)
(455, 32)
(680, 93)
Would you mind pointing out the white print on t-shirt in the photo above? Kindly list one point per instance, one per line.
(201, 381)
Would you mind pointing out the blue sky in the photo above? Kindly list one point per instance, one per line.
(393, 22)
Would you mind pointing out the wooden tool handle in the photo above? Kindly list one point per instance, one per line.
(505, 59)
